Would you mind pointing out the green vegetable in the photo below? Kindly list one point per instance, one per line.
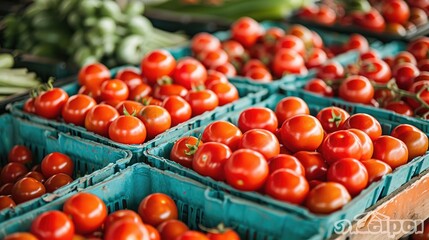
(134, 8)
(131, 49)
(105, 26)
(6, 61)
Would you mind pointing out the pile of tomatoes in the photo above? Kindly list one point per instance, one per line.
(319, 161)
(84, 216)
(397, 83)
(392, 16)
(18, 184)
(138, 104)
(265, 55)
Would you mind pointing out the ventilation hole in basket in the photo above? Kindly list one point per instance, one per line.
(117, 207)
(109, 209)
(124, 204)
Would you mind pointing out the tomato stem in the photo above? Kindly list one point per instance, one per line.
(193, 148)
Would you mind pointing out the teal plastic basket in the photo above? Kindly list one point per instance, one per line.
(196, 204)
(88, 157)
(248, 96)
(329, 39)
(159, 158)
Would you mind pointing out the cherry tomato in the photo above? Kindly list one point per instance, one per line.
(49, 104)
(6, 202)
(139, 92)
(56, 181)
(422, 88)
(27, 188)
(356, 89)
(20, 154)
(128, 130)
(419, 48)
(179, 110)
(93, 75)
(192, 235)
(184, 149)
(391, 151)
(130, 76)
(76, 108)
(94, 93)
(370, 54)
(284, 161)
(327, 197)
(289, 107)
(189, 73)
(367, 123)
(234, 50)
(209, 160)
(225, 234)
(251, 64)
(366, 143)
(211, 59)
(418, 16)
(357, 42)
(318, 86)
(246, 31)
(226, 92)
(127, 229)
(257, 118)
(53, 225)
(165, 90)
(57, 162)
(202, 101)
(12, 171)
(341, 144)
(222, 132)
(259, 74)
(332, 118)
(371, 20)
(156, 120)
(376, 169)
(326, 15)
(99, 118)
(36, 175)
(287, 61)
(171, 229)
(204, 42)
(302, 133)
(291, 42)
(228, 69)
(314, 165)
(87, 212)
(404, 74)
(153, 233)
(157, 64)
(305, 34)
(20, 236)
(404, 56)
(415, 140)
(157, 208)
(351, 173)
(316, 58)
(400, 107)
(129, 107)
(6, 189)
(287, 186)
(214, 77)
(396, 11)
(262, 141)
(29, 106)
(114, 90)
(120, 215)
(246, 170)
(332, 70)
(376, 70)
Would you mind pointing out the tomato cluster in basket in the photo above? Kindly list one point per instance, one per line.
(85, 216)
(391, 16)
(397, 83)
(268, 54)
(319, 161)
(19, 184)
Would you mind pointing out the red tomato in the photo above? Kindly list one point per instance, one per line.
(49, 104)
(356, 89)
(228, 69)
(120, 215)
(20, 154)
(87, 212)
(262, 141)
(36, 175)
(99, 118)
(222, 132)
(29, 106)
(291, 42)
(414, 138)
(53, 225)
(192, 235)
(341, 144)
(314, 165)
(94, 93)
(226, 92)
(153, 233)
(56, 181)
(139, 92)
(93, 75)
(234, 50)
(404, 56)
(27, 188)
(251, 64)
(366, 143)
(209, 160)
(57, 162)
(287, 186)
(128, 130)
(6, 202)
(226, 234)
(318, 86)
(76, 108)
(370, 54)
(396, 11)
(305, 34)
(204, 42)
(371, 20)
(246, 170)
(404, 74)
(284, 161)
(130, 76)
(180, 110)
(246, 31)
(156, 120)
(157, 208)
(127, 229)
(391, 151)
(259, 74)
(287, 61)
(184, 149)
(302, 133)
(419, 48)
(316, 58)
(357, 42)
(367, 123)
(327, 197)
(400, 107)
(289, 107)
(332, 118)
(332, 70)
(202, 101)
(351, 173)
(211, 59)
(20, 236)
(171, 229)
(129, 107)
(376, 169)
(114, 90)
(166, 90)
(189, 73)
(376, 70)
(214, 77)
(257, 118)
(11, 172)
(422, 88)
(6, 189)
(157, 64)
(326, 15)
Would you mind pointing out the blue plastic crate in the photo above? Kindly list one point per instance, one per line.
(196, 204)
(248, 96)
(159, 157)
(88, 157)
(329, 38)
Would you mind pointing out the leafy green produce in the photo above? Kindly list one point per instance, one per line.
(86, 31)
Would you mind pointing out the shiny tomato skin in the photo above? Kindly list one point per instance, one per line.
(53, 225)
(157, 208)
(400, 107)
(20, 154)
(114, 90)
(179, 110)
(192, 235)
(332, 118)
(289, 107)
(183, 150)
(131, 107)
(26, 189)
(153, 233)
(376, 70)
(36, 175)
(87, 212)
(341, 144)
(314, 164)
(222, 132)
(316, 58)
(351, 173)
(364, 122)
(94, 93)
(327, 197)
(157, 64)
(204, 42)
(120, 215)
(214, 77)
(396, 11)
(99, 118)
(171, 229)
(226, 92)
(156, 120)
(285, 161)
(357, 89)
(257, 118)
(357, 42)
(229, 234)
(390, 150)
(6, 189)
(202, 101)
(165, 90)
(56, 181)
(404, 74)
(318, 86)
(228, 69)
(246, 170)
(287, 186)
(376, 169)
(20, 236)
(246, 31)
(57, 162)
(139, 92)
(260, 74)
(262, 141)
(287, 61)
(189, 73)
(371, 20)
(291, 42)
(6, 202)
(128, 130)
(49, 104)
(414, 138)
(29, 106)
(76, 108)
(93, 75)
(211, 59)
(366, 143)
(130, 76)
(302, 133)
(422, 88)
(332, 70)
(127, 229)
(11, 172)
(209, 160)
